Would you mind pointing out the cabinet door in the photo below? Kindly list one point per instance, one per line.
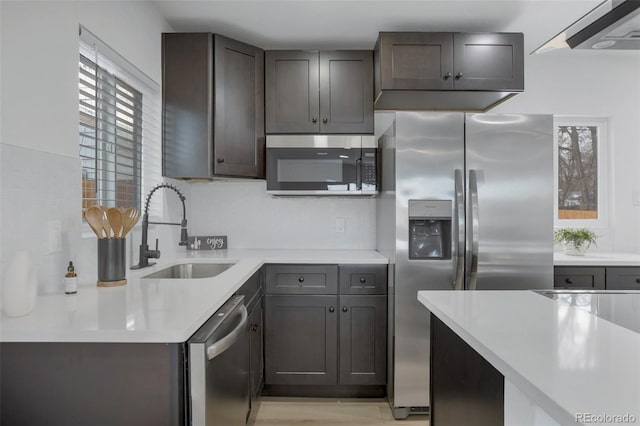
(575, 278)
(363, 340)
(291, 91)
(623, 278)
(415, 61)
(346, 91)
(256, 358)
(239, 109)
(301, 340)
(187, 96)
(488, 61)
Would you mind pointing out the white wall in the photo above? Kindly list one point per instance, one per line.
(40, 178)
(607, 84)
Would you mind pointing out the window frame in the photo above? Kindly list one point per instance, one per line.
(151, 146)
(602, 173)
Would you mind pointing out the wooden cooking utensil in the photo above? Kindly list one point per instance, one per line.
(94, 218)
(115, 222)
(104, 221)
(129, 219)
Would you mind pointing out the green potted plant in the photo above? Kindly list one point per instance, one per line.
(575, 241)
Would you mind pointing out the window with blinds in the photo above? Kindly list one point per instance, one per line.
(110, 138)
(119, 128)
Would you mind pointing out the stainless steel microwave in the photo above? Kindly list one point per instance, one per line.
(322, 165)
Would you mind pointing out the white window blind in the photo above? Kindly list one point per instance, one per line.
(120, 140)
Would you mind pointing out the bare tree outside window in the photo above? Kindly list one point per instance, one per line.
(578, 172)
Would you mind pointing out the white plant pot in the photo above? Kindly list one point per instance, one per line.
(573, 250)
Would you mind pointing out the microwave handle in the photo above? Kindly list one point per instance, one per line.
(359, 174)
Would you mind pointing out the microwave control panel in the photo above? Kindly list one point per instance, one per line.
(369, 166)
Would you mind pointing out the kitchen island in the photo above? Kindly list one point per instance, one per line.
(559, 364)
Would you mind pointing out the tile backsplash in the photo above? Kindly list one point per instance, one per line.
(250, 218)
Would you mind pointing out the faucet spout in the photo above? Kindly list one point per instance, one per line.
(145, 253)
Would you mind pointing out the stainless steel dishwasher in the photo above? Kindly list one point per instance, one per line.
(218, 368)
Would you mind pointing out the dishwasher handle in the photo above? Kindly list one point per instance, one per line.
(227, 341)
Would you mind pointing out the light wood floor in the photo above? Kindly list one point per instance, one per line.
(320, 411)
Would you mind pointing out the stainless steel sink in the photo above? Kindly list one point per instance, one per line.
(191, 270)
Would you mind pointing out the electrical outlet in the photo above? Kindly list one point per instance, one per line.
(636, 198)
(55, 236)
(341, 225)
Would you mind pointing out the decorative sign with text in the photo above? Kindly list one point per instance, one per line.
(207, 243)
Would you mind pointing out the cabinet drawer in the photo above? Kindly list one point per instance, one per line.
(363, 279)
(578, 278)
(623, 278)
(302, 279)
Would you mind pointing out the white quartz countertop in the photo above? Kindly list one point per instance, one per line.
(156, 310)
(597, 259)
(565, 359)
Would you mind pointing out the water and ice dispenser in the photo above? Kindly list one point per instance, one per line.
(430, 229)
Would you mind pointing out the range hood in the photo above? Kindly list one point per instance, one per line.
(612, 25)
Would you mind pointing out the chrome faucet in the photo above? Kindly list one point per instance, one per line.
(145, 253)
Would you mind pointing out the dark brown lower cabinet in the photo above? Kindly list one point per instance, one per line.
(578, 278)
(92, 384)
(465, 388)
(623, 278)
(325, 340)
(596, 277)
(363, 340)
(301, 340)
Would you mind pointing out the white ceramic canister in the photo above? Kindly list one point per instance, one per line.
(19, 285)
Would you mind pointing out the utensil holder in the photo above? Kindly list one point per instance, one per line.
(112, 265)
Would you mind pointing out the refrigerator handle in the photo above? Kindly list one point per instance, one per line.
(475, 227)
(458, 212)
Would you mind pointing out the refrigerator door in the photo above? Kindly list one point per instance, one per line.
(429, 150)
(509, 162)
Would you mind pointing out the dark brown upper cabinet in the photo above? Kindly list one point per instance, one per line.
(213, 107)
(447, 71)
(319, 92)
(415, 61)
(492, 61)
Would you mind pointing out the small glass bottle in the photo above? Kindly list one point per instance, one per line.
(70, 280)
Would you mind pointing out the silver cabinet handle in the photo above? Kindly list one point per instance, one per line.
(227, 341)
(475, 229)
(459, 236)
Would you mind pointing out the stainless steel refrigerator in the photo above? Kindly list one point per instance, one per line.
(466, 203)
